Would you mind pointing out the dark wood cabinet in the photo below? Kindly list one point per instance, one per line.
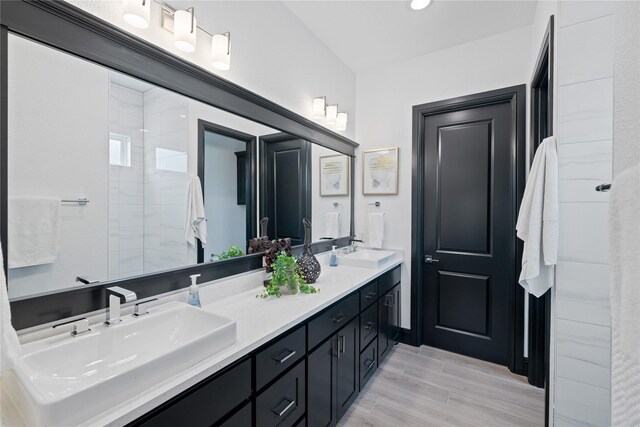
(309, 375)
(333, 380)
(388, 322)
(284, 402)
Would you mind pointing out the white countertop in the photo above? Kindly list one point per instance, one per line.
(258, 321)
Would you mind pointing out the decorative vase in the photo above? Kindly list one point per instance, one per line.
(308, 264)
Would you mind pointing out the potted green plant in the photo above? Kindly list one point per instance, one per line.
(286, 279)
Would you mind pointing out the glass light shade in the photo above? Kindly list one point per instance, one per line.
(183, 37)
(419, 4)
(341, 121)
(332, 113)
(319, 105)
(137, 12)
(221, 52)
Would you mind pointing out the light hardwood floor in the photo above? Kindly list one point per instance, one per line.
(431, 387)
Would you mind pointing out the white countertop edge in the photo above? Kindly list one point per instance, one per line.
(134, 408)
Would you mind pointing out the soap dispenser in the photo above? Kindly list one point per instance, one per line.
(194, 294)
(333, 260)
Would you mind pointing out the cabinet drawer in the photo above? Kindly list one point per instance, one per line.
(242, 418)
(368, 325)
(332, 319)
(280, 356)
(207, 404)
(368, 295)
(283, 403)
(388, 280)
(368, 363)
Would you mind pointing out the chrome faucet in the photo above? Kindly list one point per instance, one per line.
(80, 326)
(116, 296)
(353, 244)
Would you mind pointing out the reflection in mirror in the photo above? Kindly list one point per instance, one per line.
(78, 130)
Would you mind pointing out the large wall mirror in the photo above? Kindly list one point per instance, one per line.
(101, 166)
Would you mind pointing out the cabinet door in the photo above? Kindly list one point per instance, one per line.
(394, 315)
(348, 366)
(384, 340)
(321, 377)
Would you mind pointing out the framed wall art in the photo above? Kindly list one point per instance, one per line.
(380, 171)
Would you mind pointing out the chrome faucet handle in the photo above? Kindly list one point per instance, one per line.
(125, 295)
(80, 326)
(141, 308)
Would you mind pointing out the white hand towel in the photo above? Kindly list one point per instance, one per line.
(34, 231)
(376, 229)
(9, 344)
(624, 261)
(196, 226)
(537, 222)
(332, 224)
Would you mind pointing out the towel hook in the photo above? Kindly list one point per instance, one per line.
(603, 187)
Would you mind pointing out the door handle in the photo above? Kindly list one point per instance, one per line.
(338, 344)
(370, 295)
(430, 260)
(369, 325)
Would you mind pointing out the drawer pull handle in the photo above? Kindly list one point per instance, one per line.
(286, 408)
(290, 354)
(371, 295)
(369, 325)
(339, 318)
(369, 364)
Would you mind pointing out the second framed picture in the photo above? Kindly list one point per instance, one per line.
(334, 175)
(380, 171)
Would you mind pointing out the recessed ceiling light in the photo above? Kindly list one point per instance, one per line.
(419, 4)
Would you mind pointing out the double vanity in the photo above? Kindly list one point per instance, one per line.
(238, 361)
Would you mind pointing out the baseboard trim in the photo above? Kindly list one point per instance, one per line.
(406, 338)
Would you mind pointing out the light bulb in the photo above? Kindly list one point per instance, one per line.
(341, 121)
(419, 4)
(136, 12)
(184, 30)
(319, 105)
(332, 113)
(221, 51)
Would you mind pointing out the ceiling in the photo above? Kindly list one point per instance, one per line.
(369, 33)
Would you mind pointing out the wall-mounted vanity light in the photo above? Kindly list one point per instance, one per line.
(137, 12)
(319, 107)
(341, 121)
(221, 51)
(183, 25)
(332, 113)
(185, 30)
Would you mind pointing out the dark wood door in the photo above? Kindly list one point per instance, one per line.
(469, 186)
(348, 364)
(286, 194)
(321, 411)
(389, 322)
(394, 315)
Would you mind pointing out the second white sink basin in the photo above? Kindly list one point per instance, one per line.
(366, 258)
(64, 380)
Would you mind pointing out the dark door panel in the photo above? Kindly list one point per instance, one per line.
(321, 411)
(286, 191)
(468, 230)
(348, 363)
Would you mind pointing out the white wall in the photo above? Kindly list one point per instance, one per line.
(59, 155)
(626, 86)
(385, 97)
(584, 131)
(273, 53)
(226, 220)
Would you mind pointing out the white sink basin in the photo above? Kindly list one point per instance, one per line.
(366, 258)
(64, 380)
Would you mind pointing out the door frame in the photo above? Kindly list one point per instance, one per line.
(540, 309)
(251, 142)
(516, 97)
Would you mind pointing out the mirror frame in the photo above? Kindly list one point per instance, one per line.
(65, 27)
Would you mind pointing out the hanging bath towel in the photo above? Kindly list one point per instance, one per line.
(196, 226)
(537, 224)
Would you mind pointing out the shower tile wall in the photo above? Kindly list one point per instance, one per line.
(585, 126)
(165, 179)
(126, 185)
